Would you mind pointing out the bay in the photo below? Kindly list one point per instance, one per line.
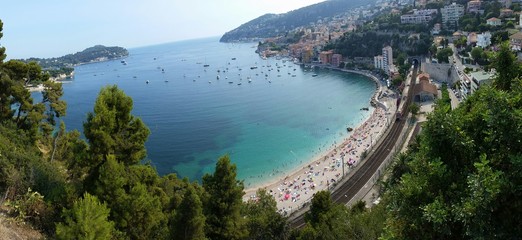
(268, 115)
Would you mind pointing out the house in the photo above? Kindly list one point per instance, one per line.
(337, 59)
(472, 38)
(506, 3)
(424, 90)
(474, 6)
(506, 12)
(484, 40)
(326, 57)
(420, 3)
(423, 77)
(436, 29)
(515, 41)
(494, 22)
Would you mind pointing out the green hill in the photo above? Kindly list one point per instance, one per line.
(271, 25)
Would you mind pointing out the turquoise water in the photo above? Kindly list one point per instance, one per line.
(268, 126)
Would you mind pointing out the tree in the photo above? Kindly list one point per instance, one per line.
(321, 204)
(506, 68)
(111, 129)
(88, 219)
(499, 37)
(2, 49)
(476, 53)
(136, 210)
(263, 221)
(223, 202)
(325, 220)
(444, 54)
(414, 109)
(190, 221)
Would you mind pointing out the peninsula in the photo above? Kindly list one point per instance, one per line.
(62, 67)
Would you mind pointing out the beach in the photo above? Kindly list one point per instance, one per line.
(326, 169)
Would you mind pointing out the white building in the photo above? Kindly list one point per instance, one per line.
(484, 40)
(378, 62)
(419, 16)
(387, 55)
(506, 3)
(478, 79)
(451, 14)
(384, 61)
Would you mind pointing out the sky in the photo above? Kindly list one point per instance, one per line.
(53, 28)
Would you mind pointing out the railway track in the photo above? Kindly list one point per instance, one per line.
(356, 182)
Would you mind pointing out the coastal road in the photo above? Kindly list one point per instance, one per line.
(356, 182)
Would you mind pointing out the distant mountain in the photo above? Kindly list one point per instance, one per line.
(93, 54)
(271, 25)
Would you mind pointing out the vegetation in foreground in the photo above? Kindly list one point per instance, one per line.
(460, 180)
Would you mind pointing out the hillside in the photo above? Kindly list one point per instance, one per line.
(65, 63)
(270, 25)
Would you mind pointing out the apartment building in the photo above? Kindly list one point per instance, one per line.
(451, 14)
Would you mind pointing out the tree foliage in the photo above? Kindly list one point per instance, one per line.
(263, 220)
(88, 219)
(111, 129)
(223, 202)
(506, 67)
(190, 221)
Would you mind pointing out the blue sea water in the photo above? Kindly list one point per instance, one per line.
(268, 126)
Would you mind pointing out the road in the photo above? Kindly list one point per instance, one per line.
(356, 182)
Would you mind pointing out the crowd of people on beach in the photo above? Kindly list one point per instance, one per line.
(295, 190)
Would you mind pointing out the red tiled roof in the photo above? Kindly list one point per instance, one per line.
(425, 87)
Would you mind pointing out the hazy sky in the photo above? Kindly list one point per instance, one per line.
(52, 28)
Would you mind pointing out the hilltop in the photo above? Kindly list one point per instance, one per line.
(272, 25)
(64, 64)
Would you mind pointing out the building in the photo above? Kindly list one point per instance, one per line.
(515, 41)
(378, 62)
(436, 29)
(387, 56)
(494, 22)
(326, 57)
(478, 79)
(424, 90)
(420, 3)
(419, 16)
(506, 13)
(471, 39)
(474, 6)
(484, 40)
(337, 59)
(451, 14)
(506, 3)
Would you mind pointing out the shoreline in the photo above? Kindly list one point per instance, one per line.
(295, 188)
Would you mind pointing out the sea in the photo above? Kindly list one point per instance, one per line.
(203, 99)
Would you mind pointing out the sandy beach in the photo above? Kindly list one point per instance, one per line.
(323, 171)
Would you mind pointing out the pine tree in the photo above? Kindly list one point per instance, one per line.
(223, 202)
(190, 221)
(112, 129)
(86, 220)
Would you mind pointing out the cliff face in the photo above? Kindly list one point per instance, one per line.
(272, 25)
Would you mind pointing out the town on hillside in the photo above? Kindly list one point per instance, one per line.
(451, 39)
